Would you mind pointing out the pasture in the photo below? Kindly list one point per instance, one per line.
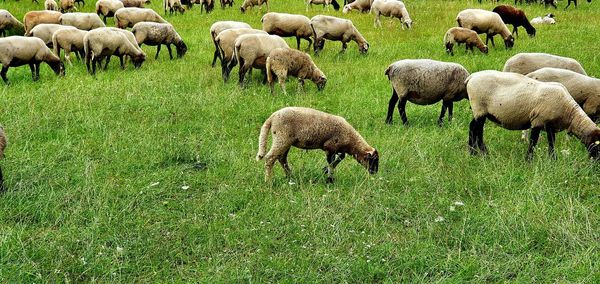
(149, 175)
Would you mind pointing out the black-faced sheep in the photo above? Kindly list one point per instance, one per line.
(251, 3)
(363, 6)
(332, 28)
(206, 5)
(252, 50)
(485, 22)
(516, 17)
(104, 42)
(225, 3)
(325, 4)
(226, 43)
(45, 32)
(67, 6)
(525, 63)
(284, 62)
(82, 21)
(135, 3)
(458, 35)
(2, 147)
(173, 6)
(307, 128)
(220, 26)
(425, 82)
(9, 22)
(18, 50)
(157, 34)
(127, 17)
(107, 8)
(69, 40)
(517, 102)
(394, 9)
(288, 25)
(34, 18)
(50, 5)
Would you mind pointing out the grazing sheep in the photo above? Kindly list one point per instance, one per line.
(2, 147)
(225, 42)
(332, 28)
(251, 3)
(104, 42)
(67, 6)
(574, 1)
(127, 17)
(135, 3)
(107, 8)
(283, 62)
(220, 26)
(307, 128)
(485, 22)
(207, 5)
(394, 9)
(517, 102)
(34, 18)
(157, 34)
(525, 63)
(45, 32)
(516, 17)
(547, 19)
(173, 6)
(225, 3)
(584, 90)
(50, 5)
(288, 25)
(69, 40)
(82, 21)
(7, 22)
(252, 50)
(18, 50)
(363, 6)
(325, 4)
(425, 82)
(458, 35)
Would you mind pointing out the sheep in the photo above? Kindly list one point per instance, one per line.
(487, 22)
(50, 5)
(252, 50)
(8, 22)
(575, 2)
(458, 35)
(363, 6)
(225, 3)
(288, 25)
(250, 3)
(135, 3)
(225, 42)
(425, 82)
(34, 18)
(104, 42)
(285, 61)
(69, 40)
(18, 50)
(82, 21)
(584, 90)
(332, 28)
(394, 9)
(325, 4)
(67, 6)
(525, 63)
(173, 6)
(157, 34)
(45, 32)
(515, 17)
(307, 128)
(207, 5)
(2, 148)
(107, 8)
(127, 17)
(517, 102)
(220, 26)
(547, 19)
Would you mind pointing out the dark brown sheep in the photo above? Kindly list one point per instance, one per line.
(515, 17)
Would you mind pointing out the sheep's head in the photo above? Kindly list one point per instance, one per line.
(137, 60)
(509, 42)
(58, 68)
(181, 49)
(485, 49)
(346, 9)
(363, 48)
(408, 24)
(369, 160)
(320, 81)
(593, 144)
(242, 9)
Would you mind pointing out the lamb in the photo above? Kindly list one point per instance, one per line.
(515, 17)
(2, 147)
(104, 42)
(285, 61)
(251, 3)
(547, 19)
(107, 8)
(325, 4)
(82, 21)
(362, 6)
(50, 5)
(45, 32)
(517, 102)
(127, 17)
(487, 22)
(425, 82)
(584, 90)
(225, 42)
(459, 35)
(34, 18)
(252, 50)
(69, 40)
(67, 6)
(18, 50)
(525, 63)
(7, 22)
(173, 6)
(307, 128)
(332, 28)
(394, 9)
(135, 3)
(217, 28)
(157, 34)
(288, 25)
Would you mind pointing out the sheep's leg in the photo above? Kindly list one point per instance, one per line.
(488, 37)
(216, 55)
(3, 74)
(88, 58)
(107, 61)
(284, 164)
(301, 84)
(310, 42)
(402, 110)
(479, 131)
(473, 137)
(516, 31)
(68, 56)
(157, 51)
(551, 134)
(104, 19)
(392, 104)
(450, 108)
(264, 73)
(170, 51)
(533, 139)
(443, 112)
(94, 62)
(2, 188)
(330, 168)
(122, 62)
(344, 46)
(298, 42)
(32, 67)
(243, 69)
(281, 78)
(37, 70)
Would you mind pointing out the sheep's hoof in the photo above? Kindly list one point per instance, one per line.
(330, 180)
(325, 170)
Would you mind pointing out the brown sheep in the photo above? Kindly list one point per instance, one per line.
(252, 50)
(33, 18)
(458, 35)
(283, 62)
(127, 17)
(288, 25)
(135, 3)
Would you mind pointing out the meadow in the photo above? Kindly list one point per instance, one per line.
(149, 175)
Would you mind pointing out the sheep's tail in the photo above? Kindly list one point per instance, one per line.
(388, 72)
(236, 56)
(55, 46)
(262, 139)
(468, 78)
(214, 38)
(335, 4)
(268, 68)
(459, 22)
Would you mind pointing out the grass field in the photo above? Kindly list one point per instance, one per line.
(149, 175)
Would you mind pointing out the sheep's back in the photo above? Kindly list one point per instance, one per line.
(525, 63)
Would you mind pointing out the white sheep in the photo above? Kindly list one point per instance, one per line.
(288, 25)
(69, 40)
(104, 42)
(325, 4)
(135, 3)
(251, 3)
(362, 6)
(107, 8)
(332, 28)
(284, 62)
(547, 20)
(391, 8)
(485, 22)
(252, 50)
(517, 102)
(458, 35)
(217, 28)
(8, 22)
(173, 6)
(45, 32)
(127, 17)
(157, 34)
(525, 63)
(425, 82)
(50, 5)
(82, 21)
(307, 128)
(225, 42)
(18, 50)
(34, 18)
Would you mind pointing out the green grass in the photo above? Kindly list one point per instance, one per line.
(98, 170)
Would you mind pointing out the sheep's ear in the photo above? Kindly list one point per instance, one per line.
(597, 142)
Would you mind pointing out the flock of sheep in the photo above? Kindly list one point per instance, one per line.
(534, 91)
